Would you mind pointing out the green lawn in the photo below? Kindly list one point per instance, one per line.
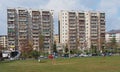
(91, 64)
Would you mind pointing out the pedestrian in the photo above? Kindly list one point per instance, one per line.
(51, 57)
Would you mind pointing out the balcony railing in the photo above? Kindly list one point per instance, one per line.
(11, 19)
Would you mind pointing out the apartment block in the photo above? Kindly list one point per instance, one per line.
(58, 45)
(29, 24)
(82, 29)
(56, 38)
(95, 29)
(3, 41)
(113, 34)
(12, 28)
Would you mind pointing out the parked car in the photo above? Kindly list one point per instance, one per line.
(83, 55)
(94, 54)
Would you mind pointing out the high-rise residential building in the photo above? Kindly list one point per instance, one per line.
(82, 29)
(58, 45)
(56, 38)
(12, 28)
(113, 34)
(22, 30)
(29, 24)
(3, 41)
(95, 29)
(18, 24)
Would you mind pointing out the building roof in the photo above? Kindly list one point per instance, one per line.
(3, 35)
(113, 31)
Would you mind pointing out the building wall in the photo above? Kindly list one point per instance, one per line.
(29, 24)
(3, 41)
(12, 28)
(96, 29)
(84, 29)
(72, 30)
(63, 18)
(118, 37)
(109, 36)
(56, 38)
(22, 26)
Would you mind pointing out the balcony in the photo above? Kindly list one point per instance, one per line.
(22, 30)
(81, 25)
(94, 14)
(11, 15)
(11, 11)
(81, 21)
(11, 27)
(46, 25)
(47, 34)
(94, 21)
(72, 34)
(22, 19)
(46, 28)
(45, 13)
(22, 38)
(72, 14)
(35, 17)
(81, 18)
(102, 14)
(82, 28)
(11, 30)
(11, 19)
(22, 34)
(11, 35)
(36, 36)
(35, 31)
(102, 22)
(72, 25)
(11, 39)
(46, 45)
(72, 17)
(72, 22)
(45, 21)
(35, 28)
(71, 28)
(81, 14)
(72, 31)
(46, 41)
(23, 15)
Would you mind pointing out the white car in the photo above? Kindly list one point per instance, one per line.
(83, 55)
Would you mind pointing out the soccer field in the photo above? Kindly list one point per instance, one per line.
(88, 64)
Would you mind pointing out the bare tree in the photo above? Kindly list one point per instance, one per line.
(112, 45)
(26, 47)
(66, 48)
(1, 48)
(41, 43)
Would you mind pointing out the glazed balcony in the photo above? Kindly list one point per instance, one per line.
(45, 13)
(11, 19)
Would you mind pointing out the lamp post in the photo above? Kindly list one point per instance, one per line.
(49, 51)
(69, 49)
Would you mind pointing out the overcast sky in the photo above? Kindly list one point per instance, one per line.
(110, 7)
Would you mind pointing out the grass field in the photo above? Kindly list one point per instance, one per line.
(91, 64)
